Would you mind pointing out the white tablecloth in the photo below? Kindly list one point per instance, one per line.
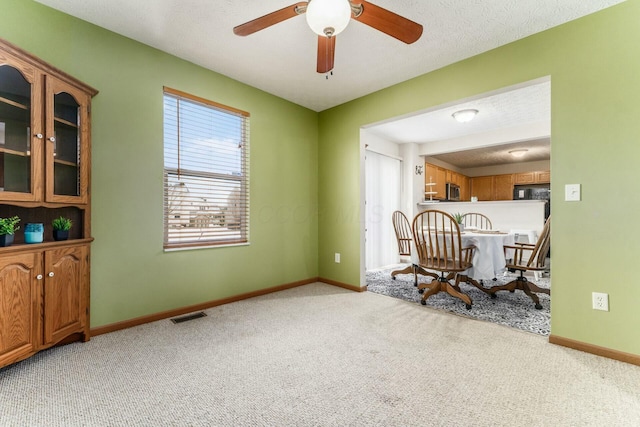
(488, 258)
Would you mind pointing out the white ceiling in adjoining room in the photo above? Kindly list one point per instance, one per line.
(509, 119)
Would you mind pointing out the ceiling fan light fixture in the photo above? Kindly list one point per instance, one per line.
(328, 17)
(519, 152)
(464, 116)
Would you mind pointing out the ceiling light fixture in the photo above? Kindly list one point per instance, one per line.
(519, 152)
(328, 17)
(464, 116)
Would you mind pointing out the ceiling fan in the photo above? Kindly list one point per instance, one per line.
(328, 18)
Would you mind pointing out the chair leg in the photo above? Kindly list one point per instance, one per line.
(511, 286)
(433, 288)
(474, 282)
(524, 285)
(537, 289)
(454, 290)
(443, 285)
(407, 270)
(421, 271)
(533, 296)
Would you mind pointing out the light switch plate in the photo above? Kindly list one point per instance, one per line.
(572, 192)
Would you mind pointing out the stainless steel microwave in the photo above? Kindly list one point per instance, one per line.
(453, 192)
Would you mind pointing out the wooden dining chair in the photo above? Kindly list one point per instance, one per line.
(527, 257)
(403, 235)
(476, 220)
(439, 247)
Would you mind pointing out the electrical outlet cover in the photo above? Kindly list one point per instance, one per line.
(600, 301)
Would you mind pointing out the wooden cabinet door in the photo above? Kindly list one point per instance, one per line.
(21, 119)
(503, 187)
(438, 176)
(482, 187)
(67, 157)
(525, 178)
(543, 177)
(19, 306)
(441, 183)
(464, 188)
(65, 309)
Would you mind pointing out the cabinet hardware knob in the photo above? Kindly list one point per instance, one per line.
(39, 277)
(51, 274)
(39, 135)
(52, 138)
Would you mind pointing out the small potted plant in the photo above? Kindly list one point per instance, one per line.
(61, 227)
(458, 217)
(8, 227)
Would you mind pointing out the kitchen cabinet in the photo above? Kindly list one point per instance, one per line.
(44, 173)
(503, 187)
(543, 177)
(535, 177)
(492, 187)
(441, 176)
(465, 188)
(482, 187)
(438, 175)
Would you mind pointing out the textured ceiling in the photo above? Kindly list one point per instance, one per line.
(520, 106)
(514, 118)
(537, 150)
(282, 59)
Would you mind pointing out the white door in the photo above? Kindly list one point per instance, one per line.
(383, 184)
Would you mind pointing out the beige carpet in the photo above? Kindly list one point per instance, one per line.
(319, 355)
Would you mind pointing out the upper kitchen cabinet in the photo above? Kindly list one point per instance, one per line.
(536, 177)
(44, 131)
(437, 176)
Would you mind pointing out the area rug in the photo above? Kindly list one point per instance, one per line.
(511, 309)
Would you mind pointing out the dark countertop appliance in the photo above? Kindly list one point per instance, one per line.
(453, 192)
(534, 192)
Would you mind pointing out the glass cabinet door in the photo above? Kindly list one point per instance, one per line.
(20, 148)
(66, 161)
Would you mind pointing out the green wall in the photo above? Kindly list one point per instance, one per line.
(305, 176)
(131, 276)
(595, 70)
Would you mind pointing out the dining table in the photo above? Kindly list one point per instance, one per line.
(489, 258)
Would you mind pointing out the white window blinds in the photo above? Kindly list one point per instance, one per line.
(206, 172)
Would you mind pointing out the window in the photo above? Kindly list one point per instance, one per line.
(206, 172)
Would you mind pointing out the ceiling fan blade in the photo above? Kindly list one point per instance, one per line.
(326, 53)
(270, 19)
(388, 22)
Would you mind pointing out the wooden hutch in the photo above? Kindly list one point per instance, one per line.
(45, 161)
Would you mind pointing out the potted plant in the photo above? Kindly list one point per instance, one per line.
(458, 217)
(8, 227)
(61, 227)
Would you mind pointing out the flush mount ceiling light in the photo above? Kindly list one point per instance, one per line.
(518, 153)
(464, 116)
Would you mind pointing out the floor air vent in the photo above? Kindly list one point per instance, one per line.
(189, 317)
